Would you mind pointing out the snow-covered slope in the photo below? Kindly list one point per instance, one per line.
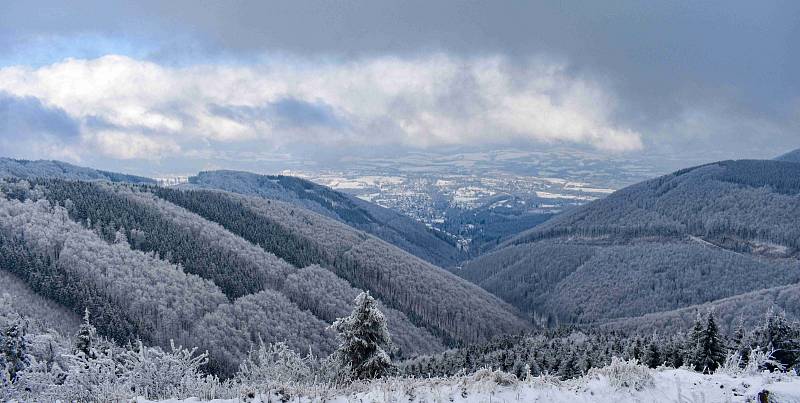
(56, 169)
(692, 237)
(673, 385)
(386, 224)
(792, 156)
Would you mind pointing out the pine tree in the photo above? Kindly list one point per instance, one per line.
(468, 361)
(586, 363)
(634, 350)
(737, 339)
(534, 368)
(709, 351)
(569, 368)
(692, 349)
(652, 355)
(15, 349)
(778, 334)
(84, 339)
(519, 369)
(120, 237)
(362, 338)
(739, 343)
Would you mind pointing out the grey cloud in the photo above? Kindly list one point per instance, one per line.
(22, 117)
(298, 113)
(287, 112)
(659, 57)
(653, 44)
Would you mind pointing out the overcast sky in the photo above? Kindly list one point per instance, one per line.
(165, 86)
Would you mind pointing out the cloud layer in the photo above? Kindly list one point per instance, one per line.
(127, 108)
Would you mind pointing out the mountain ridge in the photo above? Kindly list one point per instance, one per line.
(28, 169)
(791, 156)
(384, 223)
(691, 237)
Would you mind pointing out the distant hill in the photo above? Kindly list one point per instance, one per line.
(57, 169)
(692, 237)
(392, 227)
(792, 156)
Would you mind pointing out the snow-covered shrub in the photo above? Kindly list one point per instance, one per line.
(498, 377)
(732, 365)
(157, 374)
(623, 374)
(543, 380)
(761, 360)
(275, 364)
(40, 380)
(91, 378)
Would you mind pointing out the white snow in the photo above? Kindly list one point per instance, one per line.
(548, 195)
(668, 385)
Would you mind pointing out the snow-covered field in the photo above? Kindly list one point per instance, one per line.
(667, 385)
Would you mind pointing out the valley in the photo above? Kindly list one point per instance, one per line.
(399, 202)
(229, 260)
(480, 199)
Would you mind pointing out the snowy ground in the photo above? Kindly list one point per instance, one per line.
(669, 385)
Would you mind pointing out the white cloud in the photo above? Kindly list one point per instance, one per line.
(150, 111)
(127, 145)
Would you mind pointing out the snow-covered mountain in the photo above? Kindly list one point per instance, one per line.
(692, 237)
(57, 169)
(792, 156)
(391, 226)
(160, 263)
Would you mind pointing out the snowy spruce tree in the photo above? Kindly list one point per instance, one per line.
(363, 337)
(84, 339)
(569, 367)
(652, 354)
(781, 337)
(739, 343)
(692, 348)
(708, 351)
(15, 345)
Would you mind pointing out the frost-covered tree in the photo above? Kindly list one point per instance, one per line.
(15, 349)
(780, 335)
(707, 347)
(363, 337)
(84, 338)
(103, 375)
(652, 354)
(120, 237)
(569, 368)
(692, 346)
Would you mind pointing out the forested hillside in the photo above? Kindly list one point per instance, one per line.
(57, 169)
(221, 271)
(695, 236)
(447, 306)
(748, 206)
(569, 352)
(744, 309)
(17, 298)
(391, 226)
